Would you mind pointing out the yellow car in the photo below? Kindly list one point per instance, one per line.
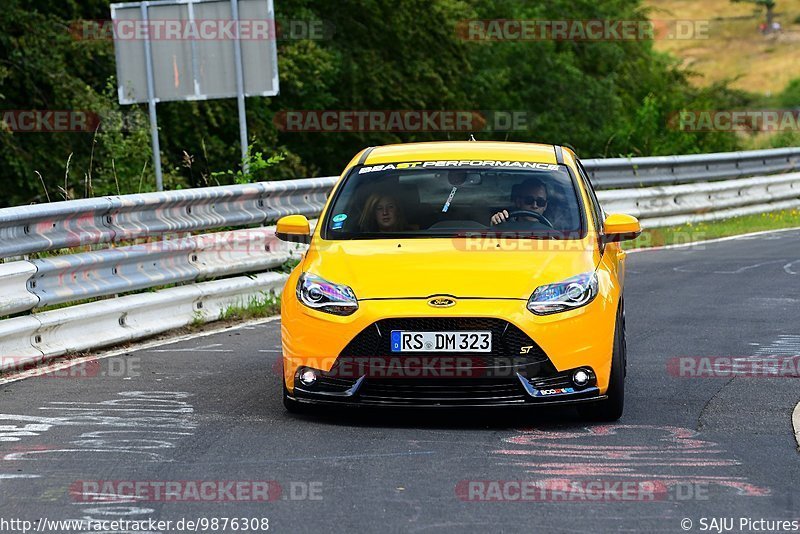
(452, 274)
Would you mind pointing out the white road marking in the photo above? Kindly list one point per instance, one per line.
(710, 241)
(53, 367)
(688, 268)
(205, 348)
(748, 267)
(189, 350)
(355, 456)
(788, 267)
(785, 345)
(25, 455)
(35, 426)
(103, 409)
(111, 497)
(101, 433)
(136, 426)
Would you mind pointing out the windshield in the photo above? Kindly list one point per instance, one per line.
(432, 199)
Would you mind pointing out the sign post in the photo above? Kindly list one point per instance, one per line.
(151, 106)
(178, 50)
(237, 52)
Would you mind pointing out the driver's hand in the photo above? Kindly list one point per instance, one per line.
(500, 217)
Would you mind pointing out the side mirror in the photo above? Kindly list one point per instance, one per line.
(294, 229)
(620, 227)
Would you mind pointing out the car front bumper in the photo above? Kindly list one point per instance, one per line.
(443, 393)
(580, 338)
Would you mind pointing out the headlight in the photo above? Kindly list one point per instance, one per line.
(318, 293)
(571, 293)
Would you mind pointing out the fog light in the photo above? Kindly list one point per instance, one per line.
(581, 377)
(308, 377)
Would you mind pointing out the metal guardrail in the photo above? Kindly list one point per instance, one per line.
(29, 284)
(63, 279)
(690, 203)
(669, 170)
(34, 338)
(14, 294)
(45, 227)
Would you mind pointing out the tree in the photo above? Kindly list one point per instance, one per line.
(603, 98)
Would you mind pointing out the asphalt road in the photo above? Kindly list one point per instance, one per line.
(209, 409)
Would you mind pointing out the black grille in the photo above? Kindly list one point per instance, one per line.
(483, 390)
(331, 384)
(443, 392)
(562, 380)
(507, 342)
(391, 379)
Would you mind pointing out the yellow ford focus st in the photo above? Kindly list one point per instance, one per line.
(458, 274)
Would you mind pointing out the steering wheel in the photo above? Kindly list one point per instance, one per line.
(527, 213)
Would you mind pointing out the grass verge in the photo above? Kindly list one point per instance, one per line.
(261, 305)
(728, 46)
(690, 233)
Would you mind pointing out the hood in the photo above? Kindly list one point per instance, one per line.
(419, 268)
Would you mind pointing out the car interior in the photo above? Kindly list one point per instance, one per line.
(476, 196)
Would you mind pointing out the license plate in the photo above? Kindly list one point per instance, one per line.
(472, 341)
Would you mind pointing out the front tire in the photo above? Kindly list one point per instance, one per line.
(611, 409)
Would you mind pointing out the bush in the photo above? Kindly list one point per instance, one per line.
(790, 97)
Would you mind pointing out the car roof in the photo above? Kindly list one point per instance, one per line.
(459, 150)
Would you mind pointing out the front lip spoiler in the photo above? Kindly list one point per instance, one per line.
(350, 397)
(533, 392)
(322, 401)
(335, 394)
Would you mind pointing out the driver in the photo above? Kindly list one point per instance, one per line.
(530, 195)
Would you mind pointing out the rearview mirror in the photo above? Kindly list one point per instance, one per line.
(620, 227)
(294, 229)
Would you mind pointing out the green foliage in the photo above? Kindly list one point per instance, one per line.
(289, 265)
(253, 170)
(790, 97)
(603, 98)
(262, 304)
(702, 231)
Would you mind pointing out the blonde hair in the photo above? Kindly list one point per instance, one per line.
(367, 222)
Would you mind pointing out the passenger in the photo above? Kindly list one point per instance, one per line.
(382, 213)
